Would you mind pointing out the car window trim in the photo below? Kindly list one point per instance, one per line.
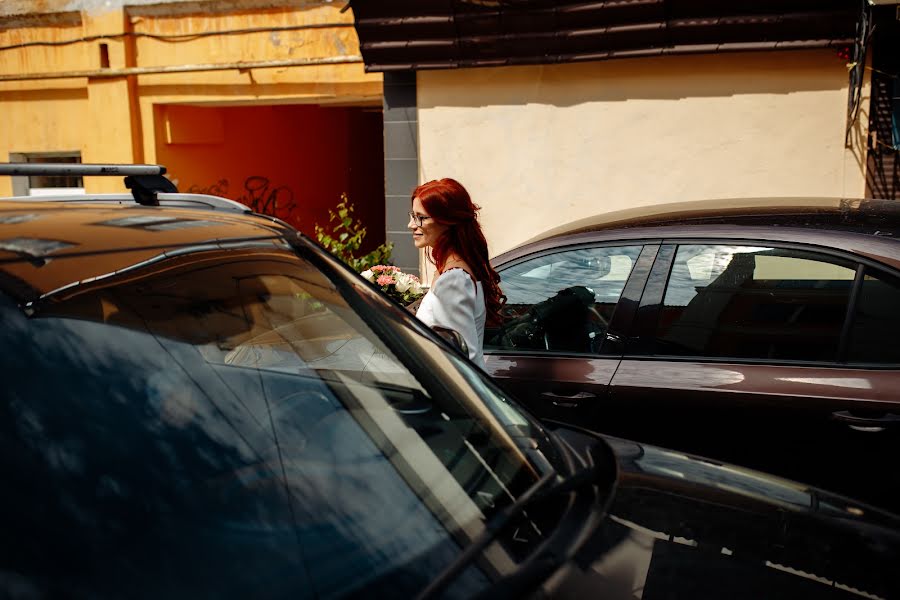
(641, 334)
(782, 362)
(627, 307)
(547, 353)
(855, 290)
(826, 250)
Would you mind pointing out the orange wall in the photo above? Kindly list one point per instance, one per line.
(302, 156)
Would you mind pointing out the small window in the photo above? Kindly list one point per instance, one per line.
(47, 185)
(562, 302)
(876, 322)
(754, 302)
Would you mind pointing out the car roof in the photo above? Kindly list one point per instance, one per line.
(97, 239)
(862, 226)
(860, 214)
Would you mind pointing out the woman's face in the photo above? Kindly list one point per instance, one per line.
(428, 233)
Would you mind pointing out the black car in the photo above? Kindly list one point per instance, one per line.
(201, 402)
(760, 332)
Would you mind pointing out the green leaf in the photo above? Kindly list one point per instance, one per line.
(346, 236)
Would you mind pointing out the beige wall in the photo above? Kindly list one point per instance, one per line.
(538, 146)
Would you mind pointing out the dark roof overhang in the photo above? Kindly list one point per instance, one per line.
(441, 34)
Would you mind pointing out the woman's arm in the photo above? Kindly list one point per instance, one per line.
(453, 306)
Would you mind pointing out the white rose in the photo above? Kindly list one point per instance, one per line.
(368, 275)
(403, 282)
(415, 287)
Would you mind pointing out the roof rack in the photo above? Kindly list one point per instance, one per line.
(79, 169)
(147, 183)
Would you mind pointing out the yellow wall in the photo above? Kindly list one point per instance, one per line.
(31, 113)
(112, 119)
(539, 146)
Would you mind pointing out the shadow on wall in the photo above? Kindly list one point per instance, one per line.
(658, 78)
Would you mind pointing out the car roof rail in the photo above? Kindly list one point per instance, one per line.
(178, 200)
(147, 183)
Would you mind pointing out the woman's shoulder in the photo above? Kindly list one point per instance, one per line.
(454, 283)
(455, 275)
(457, 265)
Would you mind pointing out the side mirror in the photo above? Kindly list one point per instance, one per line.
(454, 337)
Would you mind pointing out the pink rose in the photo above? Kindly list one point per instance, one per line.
(387, 269)
(384, 280)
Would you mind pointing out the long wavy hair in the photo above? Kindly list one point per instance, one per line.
(448, 203)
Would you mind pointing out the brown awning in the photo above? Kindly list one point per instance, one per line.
(440, 34)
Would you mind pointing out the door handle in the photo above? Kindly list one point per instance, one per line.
(567, 400)
(870, 424)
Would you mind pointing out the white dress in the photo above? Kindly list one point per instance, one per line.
(456, 302)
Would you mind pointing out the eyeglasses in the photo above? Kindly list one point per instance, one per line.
(417, 219)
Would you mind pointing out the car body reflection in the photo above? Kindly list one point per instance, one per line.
(684, 526)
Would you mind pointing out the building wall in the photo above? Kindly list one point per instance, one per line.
(110, 114)
(41, 115)
(538, 146)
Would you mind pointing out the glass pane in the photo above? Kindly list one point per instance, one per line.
(562, 302)
(753, 302)
(226, 425)
(875, 336)
(55, 181)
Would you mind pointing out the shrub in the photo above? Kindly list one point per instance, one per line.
(346, 236)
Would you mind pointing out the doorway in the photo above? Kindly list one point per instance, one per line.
(293, 162)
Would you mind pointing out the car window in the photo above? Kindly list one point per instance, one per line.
(230, 426)
(562, 302)
(875, 333)
(754, 302)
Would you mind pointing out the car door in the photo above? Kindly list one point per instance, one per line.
(560, 344)
(777, 357)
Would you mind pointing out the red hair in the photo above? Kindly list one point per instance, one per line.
(447, 202)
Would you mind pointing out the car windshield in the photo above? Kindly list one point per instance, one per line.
(228, 422)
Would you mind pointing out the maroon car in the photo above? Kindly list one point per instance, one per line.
(765, 333)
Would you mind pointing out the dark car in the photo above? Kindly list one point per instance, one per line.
(763, 332)
(201, 402)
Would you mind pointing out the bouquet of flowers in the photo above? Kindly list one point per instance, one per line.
(402, 287)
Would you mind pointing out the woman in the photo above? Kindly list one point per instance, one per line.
(466, 291)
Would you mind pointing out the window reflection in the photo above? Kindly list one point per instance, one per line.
(752, 302)
(876, 328)
(230, 426)
(156, 223)
(563, 302)
(34, 246)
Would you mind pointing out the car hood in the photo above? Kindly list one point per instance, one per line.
(684, 526)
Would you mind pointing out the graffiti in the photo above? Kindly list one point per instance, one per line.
(262, 197)
(258, 193)
(219, 188)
